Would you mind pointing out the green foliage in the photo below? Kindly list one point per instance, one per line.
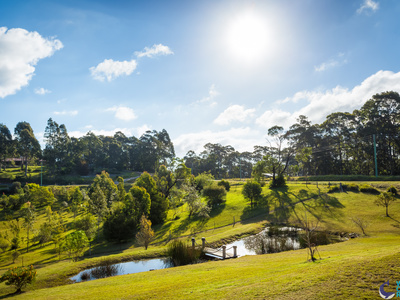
(139, 203)
(4, 244)
(118, 226)
(159, 204)
(277, 182)
(258, 171)
(87, 224)
(194, 203)
(392, 190)
(203, 180)
(75, 244)
(252, 191)
(39, 195)
(225, 184)
(368, 189)
(215, 195)
(181, 254)
(107, 187)
(19, 277)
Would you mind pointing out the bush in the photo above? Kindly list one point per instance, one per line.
(215, 195)
(203, 180)
(351, 187)
(277, 182)
(181, 254)
(392, 190)
(225, 184)
(366, 188)
(19, 277)
(334, 189)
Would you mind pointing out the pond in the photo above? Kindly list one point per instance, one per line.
(270, 240)
(122, 269)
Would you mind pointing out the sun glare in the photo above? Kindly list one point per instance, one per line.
(248, 37)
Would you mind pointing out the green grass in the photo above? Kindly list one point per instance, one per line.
(352, 269)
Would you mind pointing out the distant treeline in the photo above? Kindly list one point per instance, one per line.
(344, 144)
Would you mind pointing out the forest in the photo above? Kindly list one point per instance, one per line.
(345, 143)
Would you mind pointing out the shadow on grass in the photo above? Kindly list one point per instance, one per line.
(11, 295)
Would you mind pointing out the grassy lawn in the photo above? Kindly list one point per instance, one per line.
(351, 269)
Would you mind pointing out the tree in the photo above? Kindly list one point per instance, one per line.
(6, 144)
(310, 235)
(27, 144)
(38, 195)
(385, 199)
(194, 203)
(252, 191)
(119, 226)
(121, 189)
(215, 195)
(159, 204)
(138, 203)
(107, 187)
(87, 224)
(98, 204)
(75, 243)
(76, 200)
(29, 220)
(361, 222)
(19, 277)
(145, 234)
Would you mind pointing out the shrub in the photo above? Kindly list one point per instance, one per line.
(181, 254)
(19, 277)
(203, 180)
(334, 189)
(277, 182)
(351, 187)
(225, 184)
(392, 190)
(215, 195)
(366, 188)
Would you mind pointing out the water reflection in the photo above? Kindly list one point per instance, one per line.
(270, 240)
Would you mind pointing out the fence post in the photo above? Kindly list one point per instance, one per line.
(234, 251)
(193, 243)
(203, 242)
(223, 252)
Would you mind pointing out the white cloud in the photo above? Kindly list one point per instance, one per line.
(154, 51)
(275, 117)
(20, 52)
(234, 113)
(41, 91)
(338, 61)
(123, 113)
(110, 69)
(368, 6)
(209, 99)
(141, 130)
(242, 139)
(322, 103)
(66, 113)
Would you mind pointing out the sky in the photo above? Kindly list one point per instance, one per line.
(206, 71)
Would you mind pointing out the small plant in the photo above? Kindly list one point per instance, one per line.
(392, 190)
(19, 277)
(366, 188)
(181, 254)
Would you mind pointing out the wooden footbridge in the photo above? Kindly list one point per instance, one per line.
(219, 253)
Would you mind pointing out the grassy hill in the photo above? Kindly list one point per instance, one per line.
(351, 269)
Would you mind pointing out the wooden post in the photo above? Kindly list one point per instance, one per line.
(193, 243)
(223, 252)
(203, 242)
(234, 251)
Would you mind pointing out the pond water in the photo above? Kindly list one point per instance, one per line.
(278, 240)
(128, 268)
(269, 240)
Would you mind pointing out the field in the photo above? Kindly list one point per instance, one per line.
(352, 269)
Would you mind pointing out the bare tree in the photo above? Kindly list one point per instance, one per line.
(361, 223)
(385, 199)
(310, 235)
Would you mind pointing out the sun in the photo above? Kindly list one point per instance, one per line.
(248, 37)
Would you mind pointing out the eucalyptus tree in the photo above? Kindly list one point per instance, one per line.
(27, 144)
(6, 144)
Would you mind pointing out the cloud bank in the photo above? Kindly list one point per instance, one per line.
(110, 69)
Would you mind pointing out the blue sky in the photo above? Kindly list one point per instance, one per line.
(206, 71)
